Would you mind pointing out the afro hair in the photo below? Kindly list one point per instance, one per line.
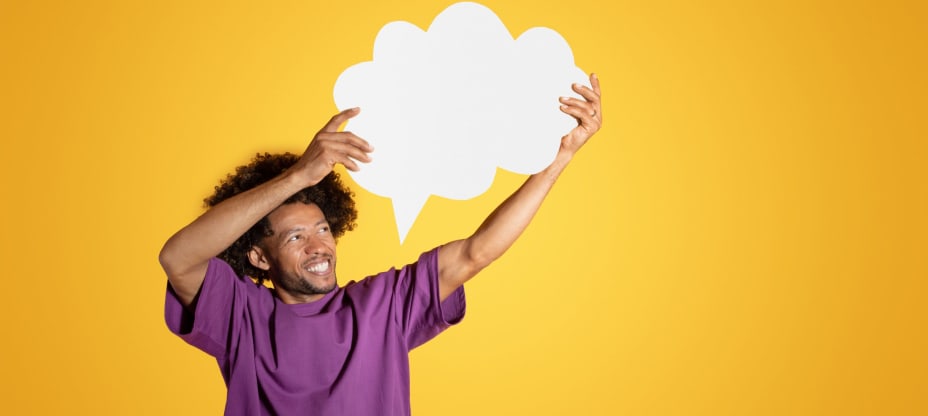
(330, 195)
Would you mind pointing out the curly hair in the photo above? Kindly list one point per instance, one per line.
(330, 195)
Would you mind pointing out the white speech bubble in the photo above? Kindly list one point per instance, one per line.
(445, 107)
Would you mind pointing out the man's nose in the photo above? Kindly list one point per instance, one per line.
(314, 246)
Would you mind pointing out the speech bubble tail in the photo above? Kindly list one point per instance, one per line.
(406, 209)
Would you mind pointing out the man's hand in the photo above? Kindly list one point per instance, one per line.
(330, 147)
(588, 113)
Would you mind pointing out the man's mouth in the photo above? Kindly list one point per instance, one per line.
(318, 267)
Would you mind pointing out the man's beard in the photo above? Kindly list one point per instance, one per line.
(301, 286)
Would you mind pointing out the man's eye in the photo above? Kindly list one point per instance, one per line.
(295, 237)
(324, 229)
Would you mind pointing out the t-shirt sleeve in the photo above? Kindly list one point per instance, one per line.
(423, 315)
(209, 327)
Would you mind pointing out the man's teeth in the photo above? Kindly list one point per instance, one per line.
(319, 268)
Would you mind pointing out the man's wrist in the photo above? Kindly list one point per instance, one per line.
(295, 179)
(561, 160)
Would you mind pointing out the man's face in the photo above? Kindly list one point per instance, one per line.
(300, 255)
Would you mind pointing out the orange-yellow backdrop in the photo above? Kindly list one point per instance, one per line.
(746, 236)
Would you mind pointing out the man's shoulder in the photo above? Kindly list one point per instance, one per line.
(220, 270)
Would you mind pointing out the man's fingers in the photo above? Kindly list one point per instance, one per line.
(357, 154)
(583, 116)
(340, 150)
(349, 164)
(576, 112)
(583, 105)
(587, 93)
(339, 119)
(346, 137)
(344, 143)
(590, 104)
(356, 141)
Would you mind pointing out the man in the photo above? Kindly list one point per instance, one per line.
(308, 346)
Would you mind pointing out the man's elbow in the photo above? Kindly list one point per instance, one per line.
(478, 258)
(185, 278)
(171, 261)
(167, 259)
(464, 260)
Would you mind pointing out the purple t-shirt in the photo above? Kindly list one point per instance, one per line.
(345, 354)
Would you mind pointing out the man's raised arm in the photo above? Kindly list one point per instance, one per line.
(186, 254)
(460, 260)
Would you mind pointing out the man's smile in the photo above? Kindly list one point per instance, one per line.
(318, 267)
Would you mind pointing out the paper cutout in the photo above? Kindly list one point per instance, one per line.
(444, 108)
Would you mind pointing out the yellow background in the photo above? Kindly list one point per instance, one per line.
(746, 236)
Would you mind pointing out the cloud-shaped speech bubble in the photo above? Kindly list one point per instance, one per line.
(445, 107)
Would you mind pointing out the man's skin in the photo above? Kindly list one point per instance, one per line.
(300, 255)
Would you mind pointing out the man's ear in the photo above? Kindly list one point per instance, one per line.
(257, 258)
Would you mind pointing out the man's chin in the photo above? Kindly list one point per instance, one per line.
(310, 286)
(327, 289)
(324, 286)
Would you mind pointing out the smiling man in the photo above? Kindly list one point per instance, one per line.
(308, 346)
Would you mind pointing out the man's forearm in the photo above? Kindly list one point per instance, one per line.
(460, 260)
(186, 253)
(507, 222)
(219, 227)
